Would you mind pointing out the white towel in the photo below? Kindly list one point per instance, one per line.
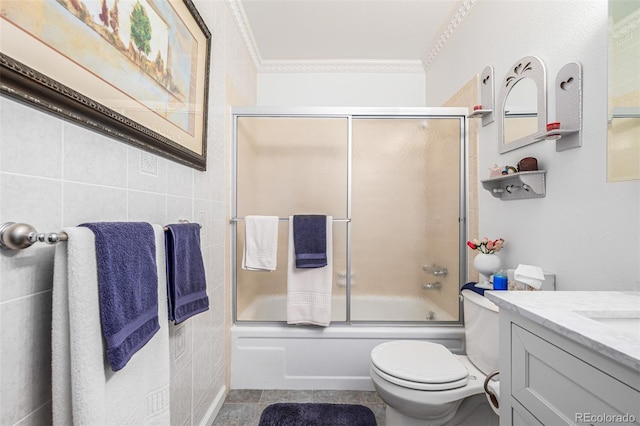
(85, 389)
(260, 243)
(309, 290)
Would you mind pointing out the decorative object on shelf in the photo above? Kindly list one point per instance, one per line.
(568, 108)
(553, 131)
(528, 164)
(517, 186)
(522, 105)
(509, 170)
(495, 171)
(487, 99)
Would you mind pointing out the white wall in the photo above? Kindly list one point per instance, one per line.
(341, 89)
(55, 174)
(586, 230)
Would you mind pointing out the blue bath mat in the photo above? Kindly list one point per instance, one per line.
(308, 414)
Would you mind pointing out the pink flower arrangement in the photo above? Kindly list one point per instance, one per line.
(486, 246)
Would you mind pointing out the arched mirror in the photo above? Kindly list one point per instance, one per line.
(522, 104)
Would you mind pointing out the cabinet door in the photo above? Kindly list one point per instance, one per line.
(559, 388)
(521, 417)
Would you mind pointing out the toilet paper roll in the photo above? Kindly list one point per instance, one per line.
(530, 275)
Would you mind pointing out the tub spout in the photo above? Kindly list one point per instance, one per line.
(432, 286)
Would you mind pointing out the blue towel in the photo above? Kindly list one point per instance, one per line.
(472, 286)
(128, 287)
(186, 281)
(310, 240)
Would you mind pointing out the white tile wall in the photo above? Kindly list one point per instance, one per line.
(147, 172)
(55, 174)
(93, 158)
(32, 147)
(26, 371)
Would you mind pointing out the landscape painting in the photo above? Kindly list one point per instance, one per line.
(146, 60)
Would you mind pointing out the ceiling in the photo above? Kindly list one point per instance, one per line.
(316, 31)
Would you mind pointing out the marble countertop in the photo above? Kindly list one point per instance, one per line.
(606, 321)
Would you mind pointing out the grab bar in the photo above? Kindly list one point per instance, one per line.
(18, 236)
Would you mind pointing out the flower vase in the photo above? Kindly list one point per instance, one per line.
(486, 265)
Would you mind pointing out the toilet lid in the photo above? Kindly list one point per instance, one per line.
(420, 363)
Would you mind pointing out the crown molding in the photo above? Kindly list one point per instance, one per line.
(455, 20)
(240, 19)
(343, 66)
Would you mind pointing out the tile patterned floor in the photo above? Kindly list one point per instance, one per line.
(243, 407)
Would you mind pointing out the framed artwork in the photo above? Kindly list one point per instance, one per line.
(136, 70)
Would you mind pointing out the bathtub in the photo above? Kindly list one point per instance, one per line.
(280, 356)
(368, 308)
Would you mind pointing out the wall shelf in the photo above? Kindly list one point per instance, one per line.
(554, 134)
(480, 113)
(487, 99)
(517, 186)
(568, 107)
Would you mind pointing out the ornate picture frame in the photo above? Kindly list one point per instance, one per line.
(135, 70)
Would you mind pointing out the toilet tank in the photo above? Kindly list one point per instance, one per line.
(481, 331)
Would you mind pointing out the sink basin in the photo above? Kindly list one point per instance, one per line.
(627, 322)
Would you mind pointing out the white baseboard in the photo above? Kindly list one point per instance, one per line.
(214, 408)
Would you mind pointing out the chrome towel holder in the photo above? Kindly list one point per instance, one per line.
(18, 236)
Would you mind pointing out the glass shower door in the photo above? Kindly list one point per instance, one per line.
(397, 184)
(406, 180)
(288, 165)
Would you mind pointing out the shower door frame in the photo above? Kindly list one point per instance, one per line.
(349, 113)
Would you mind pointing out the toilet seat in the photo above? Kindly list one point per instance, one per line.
(419, 365)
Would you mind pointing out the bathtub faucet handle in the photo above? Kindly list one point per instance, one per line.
(341, 279)
(435, 270)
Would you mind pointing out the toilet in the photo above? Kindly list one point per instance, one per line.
(423, 383)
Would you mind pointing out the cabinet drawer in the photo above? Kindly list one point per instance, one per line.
(559, 388)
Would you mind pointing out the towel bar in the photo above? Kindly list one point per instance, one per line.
(18, 236)
(238, 219)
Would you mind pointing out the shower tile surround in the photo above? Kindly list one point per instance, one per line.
(55, 174)
(467, 95)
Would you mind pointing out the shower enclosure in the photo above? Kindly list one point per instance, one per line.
(394, 182)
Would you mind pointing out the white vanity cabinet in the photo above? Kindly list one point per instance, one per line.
(554, 381)
(551, 377)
